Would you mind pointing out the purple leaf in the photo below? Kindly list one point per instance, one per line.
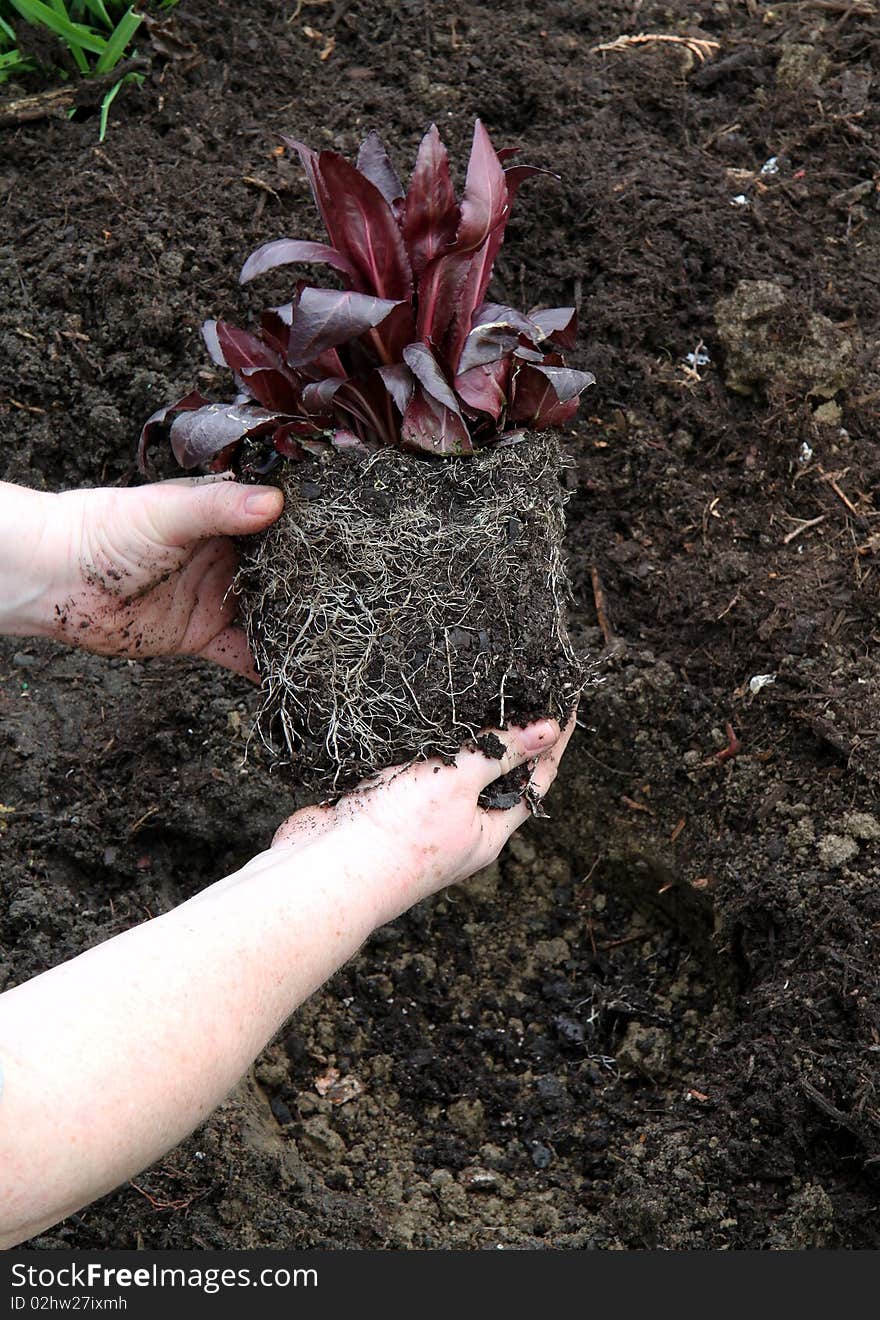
(567, 383)
(526, 354)
(470, 295)
(425, 368)
(239, 348)
(328, 363)
(212, 343)
(198, 437)
(374, 162)
(158, 419)
(485, 388)
(349, 443)
(368, 402)
(518, 174)
(485, 202)
(365, 230)
(273, 389)
(546, 396)
(388, 340)
(326, 318)
(558, 324)
(496, 331)
(399, 382)
(429, 426)
(479, 274)
(317, 398)
(440, 291)
(431, 217)
(285, 251)
(275, 325)
(498, 314)
(284, 442)
(323, 200)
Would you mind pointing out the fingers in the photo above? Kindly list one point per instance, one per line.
(520, 745)
(180, 512)
(230, 649)
(547, 766)
(498, 826)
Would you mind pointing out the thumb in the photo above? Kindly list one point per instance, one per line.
(180, 512)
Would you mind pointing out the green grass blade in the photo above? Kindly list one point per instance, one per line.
(61, 10)
(78, 37)
(11, 61)
(98, 10)
(105, 108)
(7, 32)
(111, 97)
(119, 41)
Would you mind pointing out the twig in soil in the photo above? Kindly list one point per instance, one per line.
(848, 8)
(634, 805)
(139, 824)
(627, 939)
(608, 632)
(698, 46)
(258, 183)
(828, 1109)
(831, 479)
(25, 407)
(329, 41)
(56, 103)
(301, 5)
(805, 525)
(827, 732)
(719, 132)
(677, 831)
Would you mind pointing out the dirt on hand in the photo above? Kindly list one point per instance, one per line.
(656, 1021)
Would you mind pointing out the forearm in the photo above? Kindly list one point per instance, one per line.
(111, 1059)
(28, 531)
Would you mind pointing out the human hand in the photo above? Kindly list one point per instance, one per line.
(424, 821)
(137, 572)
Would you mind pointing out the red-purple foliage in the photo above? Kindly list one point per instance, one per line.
(409, 353)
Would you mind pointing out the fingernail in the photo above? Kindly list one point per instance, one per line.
(538, 737)
(260, 503)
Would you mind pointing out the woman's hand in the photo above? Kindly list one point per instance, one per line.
(158, 1023)
(137, 572)
(424, 823)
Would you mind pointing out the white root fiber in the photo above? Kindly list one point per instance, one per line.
(400, 604)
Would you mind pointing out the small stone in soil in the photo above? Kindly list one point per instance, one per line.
(542, 1156)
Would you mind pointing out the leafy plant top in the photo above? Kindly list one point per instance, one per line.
(408, 352)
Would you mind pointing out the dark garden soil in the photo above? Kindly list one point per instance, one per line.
(656, 1022)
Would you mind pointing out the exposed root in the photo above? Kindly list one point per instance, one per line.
(401, 604)
(700, 47)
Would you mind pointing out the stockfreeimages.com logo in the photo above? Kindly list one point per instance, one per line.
(207, 1280)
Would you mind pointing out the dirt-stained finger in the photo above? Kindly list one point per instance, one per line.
(178, 515)
(502, 750)
(547, 766)
(230, 649)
